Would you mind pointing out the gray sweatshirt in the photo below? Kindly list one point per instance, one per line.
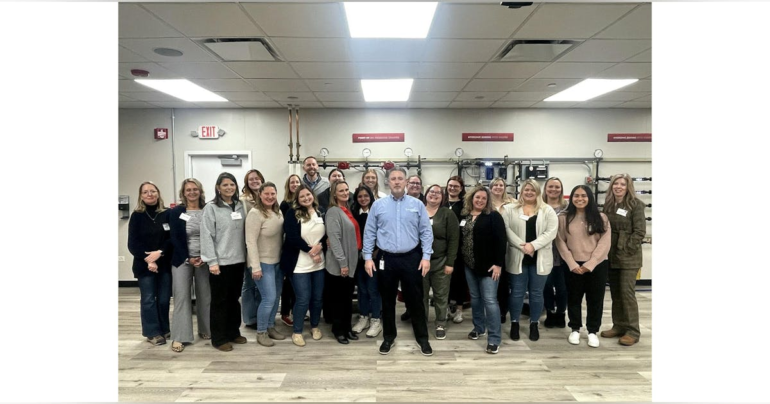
(223, 239)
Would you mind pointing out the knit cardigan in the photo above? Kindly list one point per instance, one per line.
(546, 226)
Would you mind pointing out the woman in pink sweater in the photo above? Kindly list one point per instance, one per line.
(583, 241)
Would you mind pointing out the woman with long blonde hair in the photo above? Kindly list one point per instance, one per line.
(371, 179)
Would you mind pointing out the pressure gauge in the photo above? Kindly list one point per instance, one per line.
(324, 152)
(459, 152)
(366, 152)
(598, 153)
(408, 152)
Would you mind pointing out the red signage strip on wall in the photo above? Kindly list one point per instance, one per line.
(377, 137)
(487, 137)
(629, 137)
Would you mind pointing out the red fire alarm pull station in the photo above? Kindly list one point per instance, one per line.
(161, 133)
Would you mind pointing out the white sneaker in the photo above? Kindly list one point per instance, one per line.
(375, 328)
(593, 340)
(361, 325)
(458, 318)
(574, 338)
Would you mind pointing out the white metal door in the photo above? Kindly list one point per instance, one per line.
(206, 167)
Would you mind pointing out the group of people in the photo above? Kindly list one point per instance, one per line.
(250, 254)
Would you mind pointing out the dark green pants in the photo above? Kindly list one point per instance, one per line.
(625, 310)
(439, 281)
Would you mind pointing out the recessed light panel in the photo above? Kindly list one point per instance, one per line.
(590, 88)
(386, 90)
(182, 89)
(389, 20)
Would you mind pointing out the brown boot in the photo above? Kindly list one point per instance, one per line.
(612, 333)
(628, 340)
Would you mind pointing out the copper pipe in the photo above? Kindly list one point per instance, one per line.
(291, 145)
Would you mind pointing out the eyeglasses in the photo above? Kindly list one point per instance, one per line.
(452, 186)
(415, 183)
(434, 192)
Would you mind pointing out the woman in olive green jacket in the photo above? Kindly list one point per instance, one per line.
(626, 215)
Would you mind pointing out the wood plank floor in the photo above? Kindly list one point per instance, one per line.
(459, 371)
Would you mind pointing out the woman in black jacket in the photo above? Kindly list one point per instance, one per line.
(483, 244)
(186, 263)
(150, 244)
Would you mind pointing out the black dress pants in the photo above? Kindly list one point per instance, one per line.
(341, 301)
(402, 268)
(592, 285)
(225, 307)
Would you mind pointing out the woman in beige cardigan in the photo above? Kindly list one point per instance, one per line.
(531, 227)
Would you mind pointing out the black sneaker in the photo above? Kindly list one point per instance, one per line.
(385, 347)
(426, 350)
(492, 349)
(474, 335)
(440, 332)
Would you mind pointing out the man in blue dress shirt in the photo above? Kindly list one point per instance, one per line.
(399, 224)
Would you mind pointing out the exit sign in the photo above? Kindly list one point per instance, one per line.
(208, 132)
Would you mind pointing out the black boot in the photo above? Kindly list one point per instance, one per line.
(560, 320)
(534, 333)
(550, 319)
(515, 331)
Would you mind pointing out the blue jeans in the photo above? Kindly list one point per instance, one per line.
(527, 280)
(369, 300)
(270, 287)
(309, 289)
(486, 311)
(155, 300)
(250, 298)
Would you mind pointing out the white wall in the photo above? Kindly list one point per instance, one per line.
(432, 134)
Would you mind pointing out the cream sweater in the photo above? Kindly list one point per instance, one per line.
(264, 238)
(578, 245)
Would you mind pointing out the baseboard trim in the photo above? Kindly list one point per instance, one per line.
(128, 284)
(644, 282)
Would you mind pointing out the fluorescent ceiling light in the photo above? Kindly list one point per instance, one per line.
(589, 88)
(182, 89)
(389, 20)
(386, 90)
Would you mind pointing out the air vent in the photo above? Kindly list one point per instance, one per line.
(242, 49)
(528, 50)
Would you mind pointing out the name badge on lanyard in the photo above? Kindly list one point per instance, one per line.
(185, 217)
(166, 227)
(622, 212)
(462, 223)
(236, 216)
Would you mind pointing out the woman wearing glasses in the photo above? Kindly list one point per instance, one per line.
(458, 287)
(250, 297)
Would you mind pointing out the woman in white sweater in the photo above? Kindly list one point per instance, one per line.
(531, 227)
(264, 237)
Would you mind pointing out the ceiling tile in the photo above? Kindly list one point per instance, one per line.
(388, 105)
(607, 50)
(152, 96)
(126, 98)
(476, 20)
(217, 105)
(126, 86)
(302, 104)
(174, 104)
(513, 104)
(320, 70)
(645, 56)
(418, 104)
(243, 96)
(471, 96)
(201, 70)
(555, 104)
(462, 50)
(262, 70)
(635, 25)
(571, 21)
(205, 20)
(375, 70)
(135, 104)
(432, 96)
(126, 56)
(191, 51)
(259, 104)
(387, 49)
(527, 96)
(310, 20)
(156, 71)
(224, 84)
(448, 70)
(335, 104)
(284, 96)
(439, 84)
(136, 22)
(336, 85)
(646, 98)
(313, 49)
(493, 84)
(597, 104)
(566, 70)
(534, 85)
(340, 96)
(627, 71)
(464, 104)
(635, 104)
(279, 85)
(511, 70)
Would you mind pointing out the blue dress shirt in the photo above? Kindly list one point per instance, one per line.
(398, 226)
